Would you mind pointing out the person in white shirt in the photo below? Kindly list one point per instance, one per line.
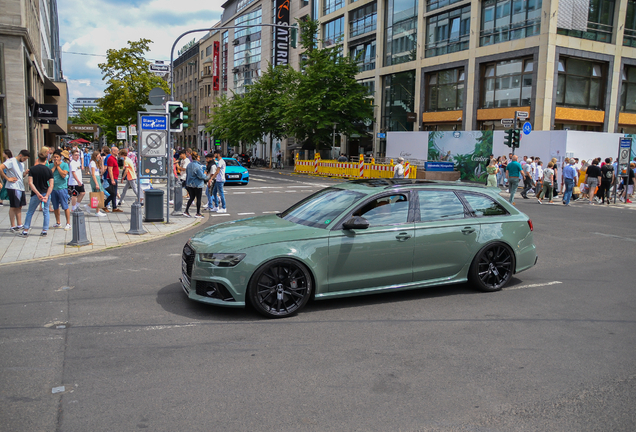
(75, 182)
(398, 170)
(14, 176)
(219, 183)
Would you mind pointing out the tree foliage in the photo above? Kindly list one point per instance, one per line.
(90, 116)
(304, 104)
(128, 84)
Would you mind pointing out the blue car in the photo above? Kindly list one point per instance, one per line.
(235, 173)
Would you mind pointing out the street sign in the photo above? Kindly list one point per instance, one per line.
(159, 68)
(624, 151)
(507, 122)
(154, 143)
(381, 135)
(521, 115)
(157, 122)
(132, 130)
(121, 132)
(527, 128)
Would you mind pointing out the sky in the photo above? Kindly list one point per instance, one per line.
(94, 26)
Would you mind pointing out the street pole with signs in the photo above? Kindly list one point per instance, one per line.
(622, 163)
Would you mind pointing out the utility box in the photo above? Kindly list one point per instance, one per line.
(153, 203)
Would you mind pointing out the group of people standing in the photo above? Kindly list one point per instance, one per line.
(194, 177)
(593, 180)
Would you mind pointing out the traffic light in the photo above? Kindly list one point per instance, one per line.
(516, 138)
(184, 117)
(293, 35)
(509, 138)
(176, 117)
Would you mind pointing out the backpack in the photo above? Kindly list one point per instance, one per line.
(105, 176)
(609, 172)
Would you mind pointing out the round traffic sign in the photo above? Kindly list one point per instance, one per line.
(153, 140)
(527, 128)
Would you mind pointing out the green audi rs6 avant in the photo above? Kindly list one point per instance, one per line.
(360, 237)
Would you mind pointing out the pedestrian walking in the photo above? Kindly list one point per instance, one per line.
(195, 181)
(398, 170)
(528, 183)
(548, 187)
(12, 170)
(75, 181)
(96, 171)
(41, 184)
(59, 196)
(210, 171)
(110, 177)
(129, 176)
(219, 183)
(593, 179)
(570, 177)
(4, 195)
(513, 173)
(492, 170)
(628, 184)
(607, 178)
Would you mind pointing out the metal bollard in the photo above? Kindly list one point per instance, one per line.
(79, 229)
(135, 220)
(178, 200)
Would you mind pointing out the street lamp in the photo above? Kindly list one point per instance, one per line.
(333, 141)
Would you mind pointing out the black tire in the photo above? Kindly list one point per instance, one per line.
(492, 267)
(280, 288)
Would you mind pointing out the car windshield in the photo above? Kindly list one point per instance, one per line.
(231, 162)
(319, 209)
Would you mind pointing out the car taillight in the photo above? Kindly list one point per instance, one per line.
(530, 225)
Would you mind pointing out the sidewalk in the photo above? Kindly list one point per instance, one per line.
(104, 232)
(559, 200)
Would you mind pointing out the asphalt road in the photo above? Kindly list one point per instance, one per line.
(109, 342)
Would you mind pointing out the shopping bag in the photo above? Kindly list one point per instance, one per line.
(97, 199)
(576, 190)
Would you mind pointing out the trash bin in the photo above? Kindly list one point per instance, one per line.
(153, 202)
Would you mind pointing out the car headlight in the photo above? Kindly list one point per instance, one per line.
(222, 259)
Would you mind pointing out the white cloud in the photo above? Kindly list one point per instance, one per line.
(92, 27)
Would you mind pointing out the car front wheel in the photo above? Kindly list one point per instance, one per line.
(492, 268)
(280, 288)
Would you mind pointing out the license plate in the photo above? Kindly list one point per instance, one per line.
(234, 176)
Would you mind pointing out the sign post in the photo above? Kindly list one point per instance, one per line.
(622, 168)
(121, 133)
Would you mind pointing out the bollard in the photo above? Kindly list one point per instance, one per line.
(178, 200)
(79, 229)
(135, 220)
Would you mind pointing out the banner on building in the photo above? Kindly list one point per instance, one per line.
(215, 66)
(281, 40)
(470, 151)
(46, 111)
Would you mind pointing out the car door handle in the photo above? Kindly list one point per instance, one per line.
(468, 230)
(403, 236)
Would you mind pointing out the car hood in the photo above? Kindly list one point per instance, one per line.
(237, 235)
(235, 169)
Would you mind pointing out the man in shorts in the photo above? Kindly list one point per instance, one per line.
(75, 182)
(15, 187)
(59, 196)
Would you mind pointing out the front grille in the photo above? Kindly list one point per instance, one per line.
(214, 290)
(188, 260)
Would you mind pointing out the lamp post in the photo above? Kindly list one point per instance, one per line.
(333, 140)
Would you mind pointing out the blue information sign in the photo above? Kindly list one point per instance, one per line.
(381, 135)
(527, 128)
(439, 166)
(154, 123)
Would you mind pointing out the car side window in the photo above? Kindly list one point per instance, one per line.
(386, 210)
(439, 205)
(482, 205)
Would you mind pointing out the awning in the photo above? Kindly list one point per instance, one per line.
(50, 89)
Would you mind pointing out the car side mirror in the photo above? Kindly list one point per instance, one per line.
(356, 222)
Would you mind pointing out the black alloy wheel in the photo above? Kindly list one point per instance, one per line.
(280, 288)
(492, 268)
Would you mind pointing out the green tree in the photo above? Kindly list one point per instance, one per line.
(128, 84)
(325, 93)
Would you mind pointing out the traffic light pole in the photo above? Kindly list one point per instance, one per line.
(170, 144)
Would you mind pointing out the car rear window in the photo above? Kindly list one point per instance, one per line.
(482, 205)
(439, 205)
(319, 209)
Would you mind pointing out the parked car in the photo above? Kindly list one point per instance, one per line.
(235, 172)
(360, 237)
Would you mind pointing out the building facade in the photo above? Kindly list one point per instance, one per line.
(33, 93)
(83, 102)
(185, 73)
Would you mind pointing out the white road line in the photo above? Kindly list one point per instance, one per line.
(532, 286)
(237, 193)
(615, 236)
(272, 211)
(243, 214)
(257, 192)
(293, 181)
(222, 214)
(255, 179)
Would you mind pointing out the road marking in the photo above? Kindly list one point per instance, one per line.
(615, 236)
(243, 214)
(532, 286)
(260, 180)
(222, 214)
(257, 192)
(272, 211)
(237, 193)
(321, 185)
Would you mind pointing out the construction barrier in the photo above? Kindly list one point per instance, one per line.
(361, 169)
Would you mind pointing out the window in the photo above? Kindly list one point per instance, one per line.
(628, 89)
(319, 209)
(439, 205)
(445, 90)
(399, 99)
(333, 31)
(249, 19)
(504, 20)
(387, 210)
(600, 21)
(580, 83)
(507, 83)
(363, 20)
(629, 37)
(365, 54)
(224, 57)
(369, 84)
(333, 5)
(247, 54)
(401, 32)
(481, 205)
(208, 51)
(448, 32)
(436, 4)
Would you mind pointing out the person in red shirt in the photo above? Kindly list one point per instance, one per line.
(111, 175)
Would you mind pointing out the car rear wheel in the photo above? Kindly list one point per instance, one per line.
(280, 288)
(492, 268)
